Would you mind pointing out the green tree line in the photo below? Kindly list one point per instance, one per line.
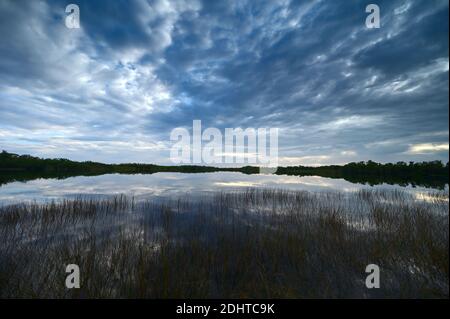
(429, 174)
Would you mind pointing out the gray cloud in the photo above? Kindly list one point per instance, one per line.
(114, 89)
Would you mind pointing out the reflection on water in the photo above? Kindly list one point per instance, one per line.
(175, 184)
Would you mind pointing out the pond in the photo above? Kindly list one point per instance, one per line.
(220, 225)
(177, 184)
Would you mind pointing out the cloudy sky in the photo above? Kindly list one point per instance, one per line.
(114, 89)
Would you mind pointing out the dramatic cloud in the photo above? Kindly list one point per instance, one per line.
(114, 89)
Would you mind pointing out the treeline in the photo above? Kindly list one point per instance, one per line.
(428, 174)
(14, 167)
(12, 163)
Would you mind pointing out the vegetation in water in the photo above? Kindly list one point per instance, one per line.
(248, 244)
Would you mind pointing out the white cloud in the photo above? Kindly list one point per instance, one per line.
(348, 153)
(353, 121)
(428, 148)
(313, 160)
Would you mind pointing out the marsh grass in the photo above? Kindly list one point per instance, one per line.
(247, 244)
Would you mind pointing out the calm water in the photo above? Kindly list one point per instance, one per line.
(174, 184)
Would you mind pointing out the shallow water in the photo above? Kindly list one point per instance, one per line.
(170, 185)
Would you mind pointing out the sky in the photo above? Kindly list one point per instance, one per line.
(113, 89)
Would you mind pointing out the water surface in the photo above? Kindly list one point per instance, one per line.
(176, 184)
